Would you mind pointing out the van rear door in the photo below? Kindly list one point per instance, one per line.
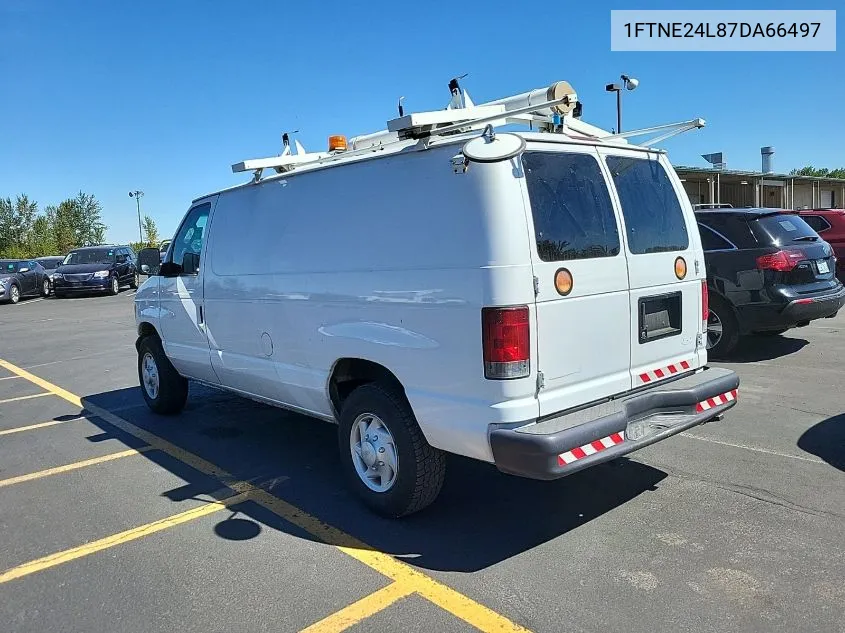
(665, 268)
(581, 276)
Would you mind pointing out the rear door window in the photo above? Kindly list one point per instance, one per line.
(570, 203)
(654, 220)
(779, 230)
(816, 222)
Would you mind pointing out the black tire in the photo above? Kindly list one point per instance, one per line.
(421, 468)
(14, 293)
(114, 285)
(172, 391)
(45, 288)
(730, 328)
(134, 283)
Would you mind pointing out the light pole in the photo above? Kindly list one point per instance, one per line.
(137, 195)
(629, 83)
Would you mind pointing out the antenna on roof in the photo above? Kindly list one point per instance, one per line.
(460, 98)
(286, 143)
(401, 109)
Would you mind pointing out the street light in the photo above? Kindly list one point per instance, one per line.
(629, 84)
(137, 195)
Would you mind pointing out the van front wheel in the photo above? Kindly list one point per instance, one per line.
(164, 390)
(384, 454)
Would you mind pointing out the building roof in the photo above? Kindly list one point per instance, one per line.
(755, 174)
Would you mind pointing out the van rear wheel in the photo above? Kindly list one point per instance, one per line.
(386, 459)
(164, 390)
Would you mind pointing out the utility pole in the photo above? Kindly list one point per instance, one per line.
(137, 195)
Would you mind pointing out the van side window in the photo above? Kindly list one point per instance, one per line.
(654, 220)
(188, 243)
(570, 203)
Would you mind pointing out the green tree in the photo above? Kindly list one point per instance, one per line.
(821, 172)
(42, 238)
(150, 231)
(16, 224)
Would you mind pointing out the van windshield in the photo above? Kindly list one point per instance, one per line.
(92, 256)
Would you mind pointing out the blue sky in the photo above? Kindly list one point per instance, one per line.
(164, 96)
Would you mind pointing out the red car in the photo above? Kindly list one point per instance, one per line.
(830, 225)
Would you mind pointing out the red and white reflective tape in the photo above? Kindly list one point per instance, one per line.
(580, 452)
(664, 372)
(725, 398)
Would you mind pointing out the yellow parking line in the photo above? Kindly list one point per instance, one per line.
(457, 604)
(68, 467)
(360, 610)
(35, 395)
(116, 539)
(40, 425)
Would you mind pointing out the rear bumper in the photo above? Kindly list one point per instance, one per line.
(786, 315)
(815, 307)
(565, 444)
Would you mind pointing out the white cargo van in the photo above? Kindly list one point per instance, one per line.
(535, 300)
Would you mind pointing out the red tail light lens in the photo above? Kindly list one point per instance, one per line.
(781, 261)
(705, 301)
(506, 338)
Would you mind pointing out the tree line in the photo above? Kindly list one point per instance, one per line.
(27, 232)
(821, 172)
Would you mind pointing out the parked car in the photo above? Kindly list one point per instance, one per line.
(526, 354)
(22, 278)
(50, 264)
(96, 269)
(767, 271)
(830, 225)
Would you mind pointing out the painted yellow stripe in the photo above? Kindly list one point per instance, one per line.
(69, 467)
(40, 425)
(457, 604)
(360, 610)
(116, 539)
(35, 395)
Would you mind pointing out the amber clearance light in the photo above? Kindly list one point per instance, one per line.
(680, 268)
(337, 143)
(563, 281)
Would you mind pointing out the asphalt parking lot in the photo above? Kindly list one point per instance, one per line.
(233, 517)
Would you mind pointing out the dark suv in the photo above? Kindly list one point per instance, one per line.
(96, 269)
(767, 271)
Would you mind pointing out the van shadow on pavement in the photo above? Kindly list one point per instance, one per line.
(826, 440)
(481, 517)
(758, 347)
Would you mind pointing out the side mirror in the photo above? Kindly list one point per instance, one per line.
(149, 260)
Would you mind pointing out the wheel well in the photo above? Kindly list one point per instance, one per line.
(144, 330)
(350, 373)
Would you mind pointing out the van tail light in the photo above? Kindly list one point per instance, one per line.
(506, 339)
(705, 306)
(781, 261)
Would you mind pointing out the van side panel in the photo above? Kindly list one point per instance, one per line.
(389, 260)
